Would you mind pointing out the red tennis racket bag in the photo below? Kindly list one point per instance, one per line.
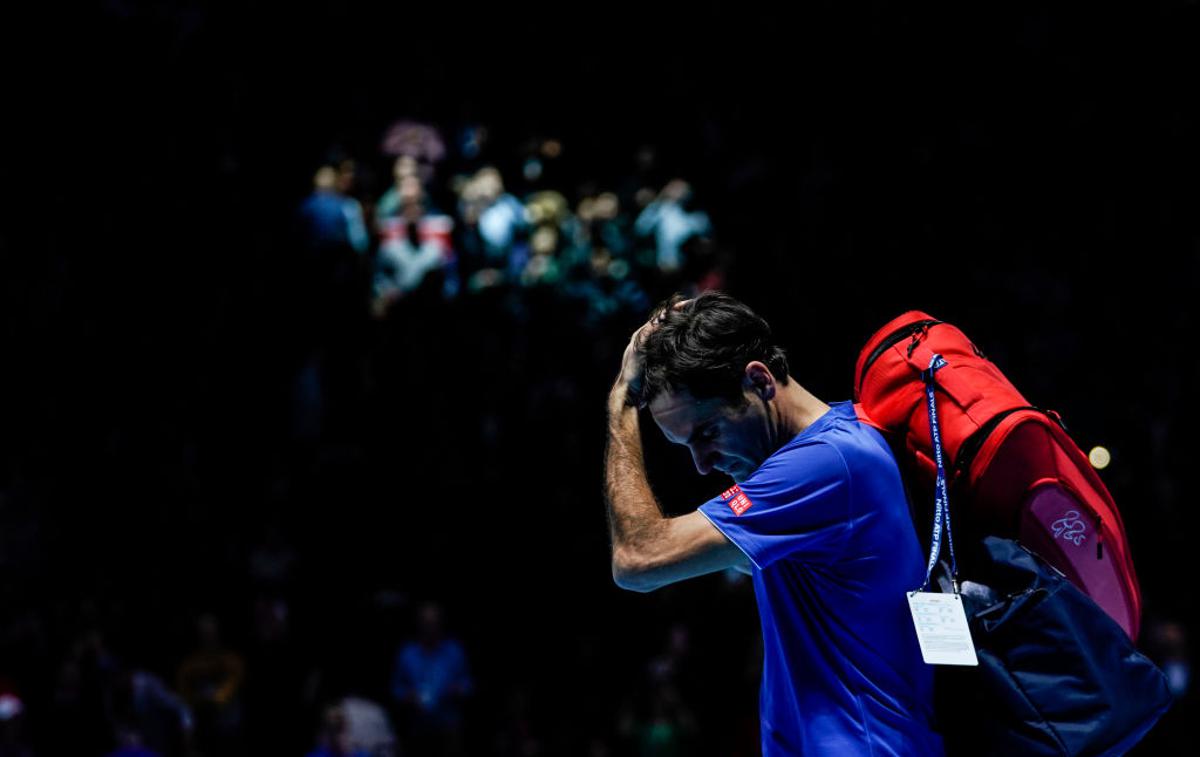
(1012, 470)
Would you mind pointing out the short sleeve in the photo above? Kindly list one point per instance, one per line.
(797, 504)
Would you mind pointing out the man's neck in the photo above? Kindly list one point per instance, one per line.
(798, 409)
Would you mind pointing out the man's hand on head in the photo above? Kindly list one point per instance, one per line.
(628, 384)
(627, 388)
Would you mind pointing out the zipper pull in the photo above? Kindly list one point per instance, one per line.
(1054, 416)
(916, 339)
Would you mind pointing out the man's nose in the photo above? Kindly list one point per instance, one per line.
(702, 460)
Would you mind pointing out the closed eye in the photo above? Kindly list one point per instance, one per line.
(704, 434)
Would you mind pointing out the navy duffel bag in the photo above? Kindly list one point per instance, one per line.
(1056, 674)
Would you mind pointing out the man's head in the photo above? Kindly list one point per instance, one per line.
(711, 375)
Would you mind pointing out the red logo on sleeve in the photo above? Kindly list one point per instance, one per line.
(736, 499)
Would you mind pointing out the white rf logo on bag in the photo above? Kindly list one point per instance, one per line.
(1070, 527)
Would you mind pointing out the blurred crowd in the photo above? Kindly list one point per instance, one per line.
(519, 289)
(449, 224)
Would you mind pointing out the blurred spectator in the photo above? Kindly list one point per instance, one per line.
(391, 204)
(12, 737)
(355, 727)
(368, 728)
(1167, 643)
(672, 221)
(494, 223)
(418, 141)
(636, 188)
(430, 682)
(547, 213)
(80, 701)
(654, 722)
(334, 737)
(600, 223)
(273, 662)
(331, 218)
(329, 287)
(541, 167)
(415, 249)
(670, 728)
(210, 681)
(472, 140)
(148, 716)
(671, 673)
(672, 664)
(599, 272)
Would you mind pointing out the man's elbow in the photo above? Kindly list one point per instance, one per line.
(633, 581)
(631, 575)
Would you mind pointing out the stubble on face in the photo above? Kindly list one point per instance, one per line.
(686, 420)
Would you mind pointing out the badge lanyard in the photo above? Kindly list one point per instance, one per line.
(940, 620)
(941, 512)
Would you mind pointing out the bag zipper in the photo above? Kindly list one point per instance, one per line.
(1099, 537)
(899, 335)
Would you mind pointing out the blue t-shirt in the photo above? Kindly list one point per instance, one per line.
(826, 524)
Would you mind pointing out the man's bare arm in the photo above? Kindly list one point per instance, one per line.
(650, 550)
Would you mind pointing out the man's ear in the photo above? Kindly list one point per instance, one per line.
(758, 379)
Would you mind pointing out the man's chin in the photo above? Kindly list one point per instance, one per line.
(740, 473)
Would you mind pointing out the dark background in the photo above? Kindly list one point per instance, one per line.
(1027, 174)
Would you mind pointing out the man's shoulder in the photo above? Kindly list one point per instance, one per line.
(809, 458)
(837, 446)
(858, 448)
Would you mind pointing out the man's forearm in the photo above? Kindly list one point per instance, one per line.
(633, 512)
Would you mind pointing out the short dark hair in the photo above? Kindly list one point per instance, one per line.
(704, 347)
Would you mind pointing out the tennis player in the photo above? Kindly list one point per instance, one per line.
(816, 514)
